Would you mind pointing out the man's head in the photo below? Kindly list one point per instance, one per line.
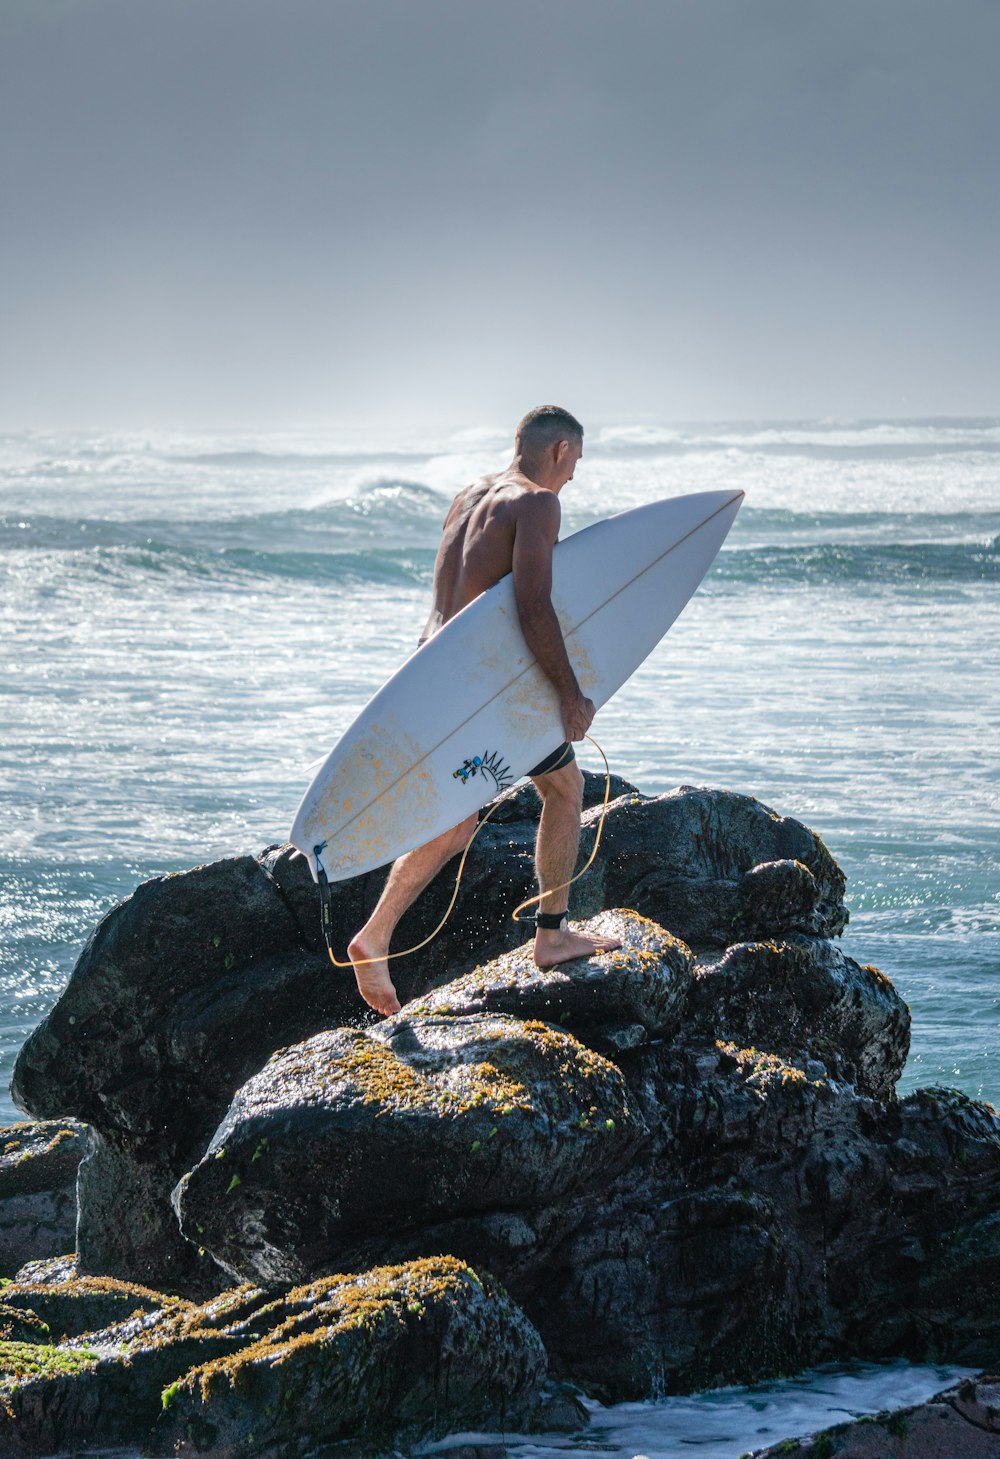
(548, 444)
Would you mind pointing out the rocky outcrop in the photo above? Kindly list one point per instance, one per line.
(684, 1159)
(398, 1353)
(38, 1165)
(186, 988)
(961, 1423)
(405, 1352)
(794, 994)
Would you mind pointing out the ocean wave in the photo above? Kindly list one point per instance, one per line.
(395, 513)
(868, 527)
(264, 455)
(832, 563)
(814, 564)
(872, 439)
(130, 567)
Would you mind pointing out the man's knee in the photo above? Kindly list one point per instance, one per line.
(565, 784)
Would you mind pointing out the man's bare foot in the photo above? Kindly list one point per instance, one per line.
(562, 945)
(372, 973)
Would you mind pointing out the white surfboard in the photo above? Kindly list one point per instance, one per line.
(471, 712)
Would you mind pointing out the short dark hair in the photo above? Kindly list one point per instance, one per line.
(545, 425)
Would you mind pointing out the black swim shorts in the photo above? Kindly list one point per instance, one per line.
(564, 755)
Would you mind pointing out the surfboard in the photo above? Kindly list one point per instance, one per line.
(470, 712)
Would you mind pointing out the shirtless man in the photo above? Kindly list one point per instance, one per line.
(500, 524)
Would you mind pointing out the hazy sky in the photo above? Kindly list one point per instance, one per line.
(269, 212)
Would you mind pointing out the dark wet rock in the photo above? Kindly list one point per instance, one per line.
(797, 994)
(773, 1215)
(403, 1352)
(619, 997)
(927, 1281)
(778, 1220)
(733, 1191)
(777, 894)
(409, 1350)
(101, 1052)
(361, 1133)
(126, 1229)
(561, 1411)
(963, 1422)
(180, 994)
(38, 1164)
(690, 859)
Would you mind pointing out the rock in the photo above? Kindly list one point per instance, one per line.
(401, 1352)
(107, 1383)
(801, 993)
(38, 1164)
(19, 1325)
(85, 1304)
(180, 994)
(407, 1350)
(978, 1400)
(771, 1221)
(927, 1278)
(101, 1050)
(127, 1230)
(52, 1270)
(736, 1192)
(642, 985)
(961, 1423)
(561, 1411)
(356, 1134)
(685, 859)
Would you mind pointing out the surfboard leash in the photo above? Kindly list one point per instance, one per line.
(326, 890)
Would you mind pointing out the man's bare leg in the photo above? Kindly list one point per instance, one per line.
(407, 879)
(555, 861)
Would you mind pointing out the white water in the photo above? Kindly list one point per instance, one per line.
(727, 1422)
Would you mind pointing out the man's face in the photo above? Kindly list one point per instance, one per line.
(571, 453)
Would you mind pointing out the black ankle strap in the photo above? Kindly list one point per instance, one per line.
(550, 921)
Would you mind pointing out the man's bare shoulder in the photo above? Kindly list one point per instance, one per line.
(509, 494)
(537, 509)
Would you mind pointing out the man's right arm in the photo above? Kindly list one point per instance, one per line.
(535, 535)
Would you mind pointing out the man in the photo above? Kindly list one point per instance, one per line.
(507, 523)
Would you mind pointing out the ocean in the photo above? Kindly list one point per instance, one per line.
(189, 621)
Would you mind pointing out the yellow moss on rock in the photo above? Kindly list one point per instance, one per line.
(332, 1308)
(762, 1070)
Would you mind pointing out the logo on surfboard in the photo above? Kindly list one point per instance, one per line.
(490, 763)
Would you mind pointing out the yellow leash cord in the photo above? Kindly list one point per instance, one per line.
(364, 962)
